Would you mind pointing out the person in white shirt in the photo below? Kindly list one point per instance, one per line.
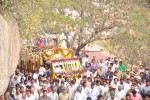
(54, 94)
(85, 89)
(127, 86)
(84, 60)
(23, 96)
(87, 72)
(120, 93)
(93, 92)
(71, 90)
(79, 95)
(105, 67)
(104, 88)
(35, 75)
(115, 83)
(112, 67)
(101, 64)
(29, 96)
(42, 70)
(34, 93)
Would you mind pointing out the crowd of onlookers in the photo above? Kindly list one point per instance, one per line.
(108, 79)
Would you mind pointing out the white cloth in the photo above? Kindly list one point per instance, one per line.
(113, 99)
(42, 70)
(84, 61)
(53, 96)
(71, 92)
(30, 98)
(36, 95)
(35, 76)
(113, 68)
(19, 77)
(79, 96)
(85, 91)
(93, 93)
(78, 81)
(145, 89)
(120, 94)
(104, 89)
(101, 65)
(127, 87)
(115, 85)
(87, 73)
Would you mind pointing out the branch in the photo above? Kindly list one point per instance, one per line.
(67, 39)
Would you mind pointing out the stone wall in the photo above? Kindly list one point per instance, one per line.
(9, 51)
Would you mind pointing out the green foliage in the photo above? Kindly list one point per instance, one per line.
(131, 43)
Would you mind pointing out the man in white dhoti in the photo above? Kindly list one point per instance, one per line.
(79, 95)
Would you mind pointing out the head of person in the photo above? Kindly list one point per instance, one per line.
(23, 94)
(17, 91)
(132, 87)
(109, 69)
(92, 85)
(135, 82)
(97, 82)
(116, 69)
(16, 77)
(101, 69)
(128, 81)
(28, 87)
(111, 65)
(79, 89)
(120, 63)
(119, 87)
(147, 82)
(101, 60)
(134, 93)
(89, 98)
(112, 90)
(64, 91)
(62, 84)
(72, 82)
(115, 80)
(56, 81)
(147, 97)
(22, 80)
(7, 94)
(54, 89)
(32, 81)
(121, 81)
(45, 93)
(17, 86)
(95, 78)
(147, 71)
(100, 97)
(84, 84)
(32, 90)
(104, 83)
(128, 97)
(89, 79)
(2, 97)
(40, 83)
(112, 94)
(84, 78)
(28, 92)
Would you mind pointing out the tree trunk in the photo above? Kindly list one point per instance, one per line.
(79, 48)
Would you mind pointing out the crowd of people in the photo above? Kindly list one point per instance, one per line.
(108, 79)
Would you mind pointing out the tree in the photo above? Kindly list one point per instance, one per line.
(81, 21)
(131, 43)
(94, 18)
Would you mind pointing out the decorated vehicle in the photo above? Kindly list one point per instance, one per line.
(63, 62)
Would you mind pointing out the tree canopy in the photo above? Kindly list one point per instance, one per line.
(122, 26)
